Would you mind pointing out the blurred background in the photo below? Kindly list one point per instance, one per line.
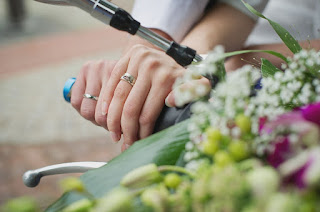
(41, 46)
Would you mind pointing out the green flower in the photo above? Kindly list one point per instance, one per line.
(21, 204)
(239, 150)
(244, 123)
(264, 182)
(118, 200)
(142, 177)
(72, 184)
(83, 205)
(172, 180)
(156, 198)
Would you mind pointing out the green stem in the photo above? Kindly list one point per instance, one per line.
(175, 169)
(88, 195)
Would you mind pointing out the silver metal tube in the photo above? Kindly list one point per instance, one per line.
(32, 178)
(153, 38)
(103, 10)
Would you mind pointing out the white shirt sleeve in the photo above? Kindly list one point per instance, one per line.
(175, 17)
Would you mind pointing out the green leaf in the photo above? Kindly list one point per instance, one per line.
(285, 36)
(163, 148)
(267, 68)
(221, 71)
(277, 54)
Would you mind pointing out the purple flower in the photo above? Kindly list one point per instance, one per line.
(280, 153)
(303, 170)
(291, 134)
(312, 113)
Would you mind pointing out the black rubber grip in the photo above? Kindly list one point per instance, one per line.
(123, 21)
(181, 54)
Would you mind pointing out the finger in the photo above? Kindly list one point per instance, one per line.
(132, 110)
(124, 146)
(195, 89)
(120, 68)
(107, 70)
(109, 87)
(116, 107)
(93, 86)
(151, 110)
(170, 101)
(79, 87)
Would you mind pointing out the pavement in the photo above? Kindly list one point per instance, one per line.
(37, 127)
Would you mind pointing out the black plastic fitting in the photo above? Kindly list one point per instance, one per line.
(123, 21)
(181, 54)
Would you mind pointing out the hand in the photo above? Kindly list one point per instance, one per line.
(133, 110)
(89, 81)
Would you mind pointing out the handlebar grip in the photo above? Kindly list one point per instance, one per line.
(67, 88)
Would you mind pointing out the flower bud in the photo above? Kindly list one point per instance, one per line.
(156, 198)
(180, 201)
(142, 177)
(244, 123)
(72, 184)
(210, 147)
(213, 134)
(281, 203)
(172, 180)
(263, 181)
(79, 206)
(222, 158)
(239, 150)
(23, 204)
(118, 200)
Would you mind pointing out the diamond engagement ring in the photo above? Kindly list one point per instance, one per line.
(128, 78)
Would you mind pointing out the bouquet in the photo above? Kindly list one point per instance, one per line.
(251, 145)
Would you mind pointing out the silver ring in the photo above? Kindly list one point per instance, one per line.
(89, 96)
(128, 78)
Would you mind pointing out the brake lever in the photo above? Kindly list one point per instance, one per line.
(32, 178)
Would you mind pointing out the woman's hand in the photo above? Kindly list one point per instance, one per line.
(133, 110)
(89, 81)
(122, 108)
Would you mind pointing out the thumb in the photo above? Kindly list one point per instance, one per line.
(189, 91)
(169, 101)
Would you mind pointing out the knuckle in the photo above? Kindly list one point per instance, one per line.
(100, 64)
(138, 47)
(139, 51)
(87, 66)
(119, 93)
(129, 139)
(87, 113)
(145, 119)
(163, 81)
(129, 111)
(152, 63)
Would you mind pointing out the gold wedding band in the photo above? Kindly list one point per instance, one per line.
(128, 78)
(89, 96)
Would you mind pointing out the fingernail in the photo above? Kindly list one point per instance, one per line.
(167, 102)
(104, 108)
(115, 137)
